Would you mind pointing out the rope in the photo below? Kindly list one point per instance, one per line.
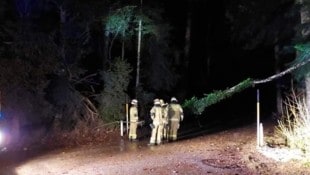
(106, 124)
(118, 122)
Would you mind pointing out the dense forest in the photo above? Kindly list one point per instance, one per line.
(78, 60)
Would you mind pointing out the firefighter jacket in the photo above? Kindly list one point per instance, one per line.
(156, 115)
(133, 114)
(175, 112)
(165, 113)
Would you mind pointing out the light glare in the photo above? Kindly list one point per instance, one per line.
(1, 138)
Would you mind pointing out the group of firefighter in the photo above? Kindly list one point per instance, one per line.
(165, 118)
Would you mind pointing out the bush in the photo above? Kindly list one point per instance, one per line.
(113, 97)
(294, 125)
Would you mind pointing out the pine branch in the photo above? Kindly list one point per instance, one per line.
(197, 106)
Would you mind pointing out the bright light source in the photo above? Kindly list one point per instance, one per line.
(1, 137)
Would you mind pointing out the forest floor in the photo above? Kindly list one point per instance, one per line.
(232, 151)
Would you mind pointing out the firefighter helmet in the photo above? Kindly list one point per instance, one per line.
(173, 99)
(134, 101)
(156, 101)
(161, 102)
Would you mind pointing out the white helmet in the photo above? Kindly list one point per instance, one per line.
(156, 101)
(161, 102)
(173, 99)
(134, 101)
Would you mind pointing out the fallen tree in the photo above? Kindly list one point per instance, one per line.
(198, 105)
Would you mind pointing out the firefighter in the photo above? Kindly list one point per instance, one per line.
(157, 125)
(164, 107)
(133, 113)
(175, 115)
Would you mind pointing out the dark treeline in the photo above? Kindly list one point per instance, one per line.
(77, 59)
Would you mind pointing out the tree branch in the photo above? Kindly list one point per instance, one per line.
(289, 70)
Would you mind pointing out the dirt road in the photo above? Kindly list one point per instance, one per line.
(227, 152)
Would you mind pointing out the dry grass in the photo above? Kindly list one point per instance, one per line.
(83, 133)
(294, 125)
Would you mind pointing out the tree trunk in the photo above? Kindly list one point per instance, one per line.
(62, 17)
(305, 32)
(138, 54)
(307, 83)
(123, 46)
(187, 49)
(105, 50)
(123, 50)
(63, 45)
(281, 74)
(278, 85)
(187, 38)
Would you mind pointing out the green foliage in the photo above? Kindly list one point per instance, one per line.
(119, 21)
(125, 21)
(303, 54)
(113, 96)
(303, 48)
(197, 106)
(148, 25)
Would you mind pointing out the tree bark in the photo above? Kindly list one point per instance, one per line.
(278, 85)
(138, 55)
(105, 50)
(111, 44)
(63, 52)
(187, 38)
(273, 77)
(289, 70)
(123, 45)
(305, 32)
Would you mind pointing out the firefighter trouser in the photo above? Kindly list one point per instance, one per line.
(156, 134)
(165, 131)
(133, 130)
(173, 132)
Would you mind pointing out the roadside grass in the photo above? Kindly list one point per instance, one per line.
(294, 125)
